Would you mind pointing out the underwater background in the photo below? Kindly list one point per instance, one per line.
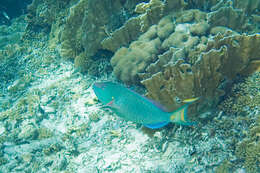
(53, 51)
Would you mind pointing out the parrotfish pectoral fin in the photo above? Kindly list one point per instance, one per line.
(110, 103)
(156, 126)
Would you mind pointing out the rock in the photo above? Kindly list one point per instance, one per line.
(28, 131)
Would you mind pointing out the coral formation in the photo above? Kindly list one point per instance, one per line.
(94, 21)
(228, 17)
(150, 14)
(127, 63)
(244, 102)
(42, 15)
(223, 59)
(249, 6)
(187, 58)
(249, 150)
(98, 29)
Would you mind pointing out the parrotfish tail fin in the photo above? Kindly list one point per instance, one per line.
(156, 126)
(180, 116)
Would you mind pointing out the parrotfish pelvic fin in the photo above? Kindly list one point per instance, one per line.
(156, 126)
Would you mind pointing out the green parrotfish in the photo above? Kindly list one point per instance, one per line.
(132, 106)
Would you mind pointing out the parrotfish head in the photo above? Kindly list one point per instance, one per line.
(105, 91)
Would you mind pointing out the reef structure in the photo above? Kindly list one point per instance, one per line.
(175, 49)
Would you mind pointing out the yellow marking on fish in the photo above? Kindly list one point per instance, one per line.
(182, 115)
(172, 117)
(190, 100)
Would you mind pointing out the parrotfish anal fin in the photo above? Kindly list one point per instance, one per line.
(156, 126)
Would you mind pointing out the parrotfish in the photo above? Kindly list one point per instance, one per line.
(132, 106)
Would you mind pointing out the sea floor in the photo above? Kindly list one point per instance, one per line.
(51, 122)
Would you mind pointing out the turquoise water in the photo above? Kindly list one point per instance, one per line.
(52, 52)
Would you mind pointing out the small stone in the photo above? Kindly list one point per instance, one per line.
(48, 109)
(91, 101)
(54, 148)
(27, 157)
(2, 130)
(3, 161)
(44, 99)
(28, 132)
(44, 133)
(94, 117)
